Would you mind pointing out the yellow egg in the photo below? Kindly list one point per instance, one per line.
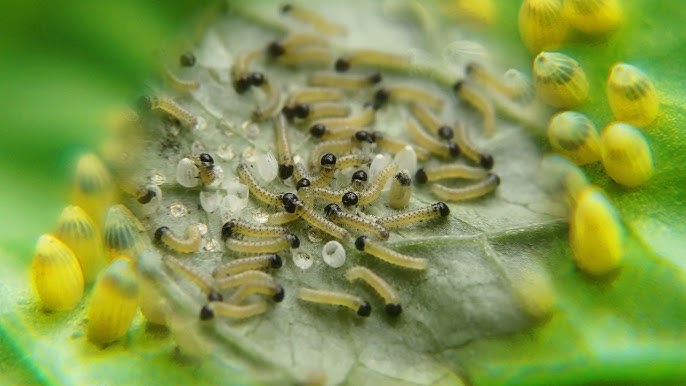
(574, 136)
(56, 274)
(93, 189)
(123, 233)
(626, 154)
(559, 80)
(113, 304)
(631, 95)
(542, 25)
(595, 233)
(594, 17)
(476, 11)
(78, 231)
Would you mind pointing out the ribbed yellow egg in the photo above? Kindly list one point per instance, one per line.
(93, 189)
(78, 231)
(559, 80)
(574, 136)
(56, 274)
(626, 155)
(631, 95)
(594, 17)
(542, 25)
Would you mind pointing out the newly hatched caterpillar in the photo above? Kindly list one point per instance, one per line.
(319, 130)
(270, 245)
(390, 297)
(542, 24)
(122, 233)
(307, 56)
(56, 274)
(188, 245)
(294, 42)
(148, 196)
(431, 121)
(177, 83)
(313, 19)
(401, 190)
(326, 174)
(202, 281)
(559, 80)
(334, 146)
(93, 189)
(374, 190)
(233, 267)
(316, 220)
(433, 145)
(241, 77)
(364, 118)
(631, 95)
(208, 172)
(595, 233)
(318, 110)
(281, 218)
(352, 161)
(78, 232)
(449, 171)
(469, 151)
(480, 102)
(408, 94)
(336, 214)
(344, 81)
(326, 194)
(574, 136)
(283, 149)
(358, 180)
(413, 217)
(360, 306)
(594, 17)
(388, 255)
(468, 192)
(235, 227)
(233, 311)
(314, 94)
(372, 58)
(260, 193)
(113, 304)
(395, 145)
(626, 155)
(271, 106)
(480, 74)
(172, 109)
(259, 281)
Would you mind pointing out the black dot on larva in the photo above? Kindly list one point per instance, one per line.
(458, 85)
(375, 78)
(289, 207)
(420, 177)
(279, 295)
(206, 313)
(276, 261)
(160, 232)
(275, 49)
(331, 209)
(403, 179)
(302, 183)
(363, 136)
(446, 132)
(486, 161)
(288, 198)
(380, 98)
(214, 296)
(147, 197)
(328, 159)
(454, 150)
(227, 230)
(317, 130)
(393, 309)
(470, 68)
(144, 103)
(349, 199)
(341, 65)
(286, 8)
(206, 158)
(301, 110)
(442, 208)
(242, 84)
(359, 175)
(257, 79)
(496, 179)
(365, 309)
(288, 112)
(187, 59)
(359, 243)
(285, 171)
(293, 239)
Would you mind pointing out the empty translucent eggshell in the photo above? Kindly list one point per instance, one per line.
(334, 254)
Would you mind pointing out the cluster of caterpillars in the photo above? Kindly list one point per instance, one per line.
(346, 139)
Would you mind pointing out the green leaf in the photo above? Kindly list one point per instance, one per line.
(496, 263)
